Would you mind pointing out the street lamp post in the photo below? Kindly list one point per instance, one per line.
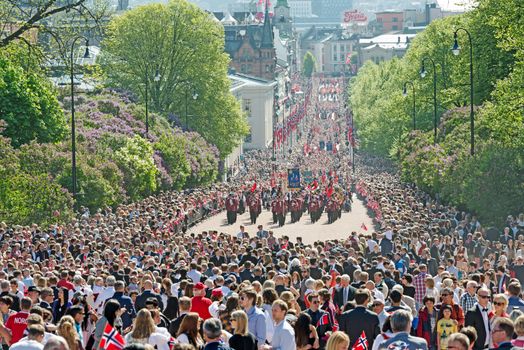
(156, 79)
(73, 127)
(423, 73)
(194, 96)
(405, 93)
(456, 51)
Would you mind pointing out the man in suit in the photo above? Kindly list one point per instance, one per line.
(502, 334)
(125, 302)
(344, 292)
(334, 265)
(477, 317)
(147, 293)
(360, 319)
(185, 305)
(502, 280)
(401, 325)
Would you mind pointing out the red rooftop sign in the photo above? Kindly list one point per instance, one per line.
(354, 16)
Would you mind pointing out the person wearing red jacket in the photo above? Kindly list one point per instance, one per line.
(199, 303)
(231, 208)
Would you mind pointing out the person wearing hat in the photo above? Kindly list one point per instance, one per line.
(33, 293)
(199, 303)
(216, 299)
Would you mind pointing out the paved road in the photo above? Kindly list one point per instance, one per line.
(320, 230)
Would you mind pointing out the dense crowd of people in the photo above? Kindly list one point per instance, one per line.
(428, 277)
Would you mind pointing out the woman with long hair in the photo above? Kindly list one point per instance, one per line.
(112, 313)
(306, 336)
(66, 329)
(188, 333)
(144, 332)
(61, 305)
(338, 341)
(170, 301)
(241, 339)
(500, 307)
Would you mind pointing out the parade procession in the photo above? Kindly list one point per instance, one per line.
(313, 177)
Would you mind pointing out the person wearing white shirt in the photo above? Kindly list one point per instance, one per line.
(194, 274)
(106, 294)
(283, 335)
(33, 341)
(370, 285)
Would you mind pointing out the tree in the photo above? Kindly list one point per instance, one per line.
(184, 47)
(309, 64)
(28, 105)
(24, 20)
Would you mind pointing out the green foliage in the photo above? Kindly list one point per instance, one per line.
(185, 47)
(28, 104)
(135, 160)
(378, 105)
(172, 148)
(490, 183)
(309, 65)
(26, 198)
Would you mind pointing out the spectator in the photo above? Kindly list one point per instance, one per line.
(338, 341)
(519, 331)
(458, 341)
(256, 317)
(502, 333)
(284, 335)
(35, 336)
(478, 318)
(212, 335)
(144, 332)
(66, 330)
(241, 339)
(188, 333)
(360, 319)
(401, 324)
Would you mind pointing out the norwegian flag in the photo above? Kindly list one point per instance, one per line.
(254, 187)
(329, 191)
(362, 342)
(364, 227)
(324, 319)
(111, 339)
(171, 343)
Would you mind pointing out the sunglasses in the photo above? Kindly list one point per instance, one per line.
(446, 295)
(375, 305)
(498, 304)
(315, 302)
(484, 296)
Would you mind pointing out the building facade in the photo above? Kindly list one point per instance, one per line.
(390, 20)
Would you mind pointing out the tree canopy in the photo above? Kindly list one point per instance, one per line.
(309, 65)
(383, 116)
(181, 45)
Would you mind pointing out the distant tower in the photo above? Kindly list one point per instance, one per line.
(122, 5)
(267, 48)
(282, 18)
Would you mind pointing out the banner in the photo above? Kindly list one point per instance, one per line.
(308, 176)
(293, 179)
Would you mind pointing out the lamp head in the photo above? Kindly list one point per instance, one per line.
(157, 76)
(195, 96)
(404, 91)
(456, 48)
(87, 54)
(423, 71)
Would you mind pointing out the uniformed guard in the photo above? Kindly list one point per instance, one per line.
(231, 208)
(255, 207)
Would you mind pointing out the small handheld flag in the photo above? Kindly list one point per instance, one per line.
(364, 227)
(362, 342)
(111, 339)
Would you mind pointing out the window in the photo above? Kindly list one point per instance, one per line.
(395, 19)
(394, 27)
(243, 68)
(247, 106)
